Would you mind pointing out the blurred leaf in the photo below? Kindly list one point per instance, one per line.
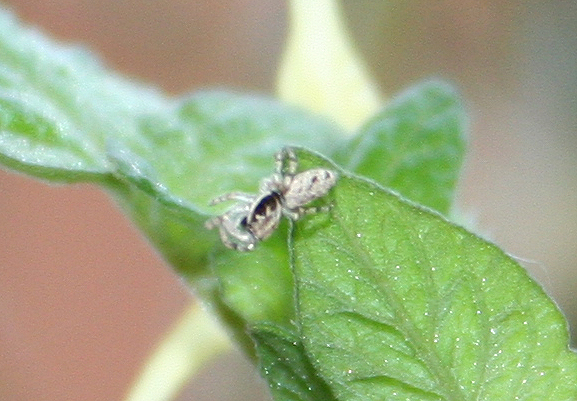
(217, 142)
(320, 71)
(193, 341)
(58, 105)
(395, 302)
(223, 141)
(415, 146)
(64, 117)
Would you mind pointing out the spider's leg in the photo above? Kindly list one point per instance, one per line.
(235, 238)
(225, 235)
(273, 183)
(293, 162)
(226, 238)
(241, 196)
(232, 232)
(212, 223)
(279, 161)
(286, 154)
(297, 213)
(244, 247)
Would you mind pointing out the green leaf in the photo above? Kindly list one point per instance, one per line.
(259, 284)
(68, 159)
(395, 302)
(283, 362)
(414, 146)
(64, 117)
(58, 106)
(213, 143)
(225, 141)
(210, 143)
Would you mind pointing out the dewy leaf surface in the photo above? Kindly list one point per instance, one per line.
(285, 365)
(415, 146)
(394, 302)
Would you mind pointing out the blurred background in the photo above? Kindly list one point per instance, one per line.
(84, 299)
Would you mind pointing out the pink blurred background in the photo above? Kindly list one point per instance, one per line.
(83, 298)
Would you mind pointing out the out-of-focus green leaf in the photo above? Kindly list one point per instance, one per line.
(415, 146)
(58, 106)
(64, 117)
(219, 142)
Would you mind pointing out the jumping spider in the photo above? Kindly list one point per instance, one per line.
(255, 217)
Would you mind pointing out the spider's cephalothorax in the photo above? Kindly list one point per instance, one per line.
(255, 217)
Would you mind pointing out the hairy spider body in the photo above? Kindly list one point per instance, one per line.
(255, 217)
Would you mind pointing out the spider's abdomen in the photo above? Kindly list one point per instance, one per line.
(308, 186)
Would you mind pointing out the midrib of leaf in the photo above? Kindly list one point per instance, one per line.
(402, 322)
(438, 332)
